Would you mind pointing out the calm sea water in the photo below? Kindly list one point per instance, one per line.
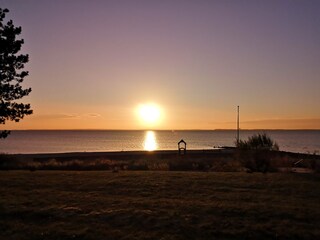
(100, 140)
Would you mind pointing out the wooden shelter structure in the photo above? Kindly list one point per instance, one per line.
(182, 147)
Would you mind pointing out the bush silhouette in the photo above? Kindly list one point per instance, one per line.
(259, 142)
(255, 153)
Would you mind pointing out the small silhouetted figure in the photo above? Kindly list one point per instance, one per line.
(182, 146)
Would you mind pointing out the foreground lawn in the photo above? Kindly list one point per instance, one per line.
(158, 205)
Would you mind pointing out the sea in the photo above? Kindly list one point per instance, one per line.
(59, 141)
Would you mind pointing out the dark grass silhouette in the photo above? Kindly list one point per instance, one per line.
(158, 205)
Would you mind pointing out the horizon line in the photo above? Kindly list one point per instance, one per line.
(216, 129)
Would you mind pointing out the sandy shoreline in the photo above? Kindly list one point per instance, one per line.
(189, 153)
(124, 154)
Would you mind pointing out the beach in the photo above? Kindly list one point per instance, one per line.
(222, 160)
(159, 120)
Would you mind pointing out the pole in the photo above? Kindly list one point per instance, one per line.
(238, 133)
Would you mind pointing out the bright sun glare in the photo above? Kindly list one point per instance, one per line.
(149, 113)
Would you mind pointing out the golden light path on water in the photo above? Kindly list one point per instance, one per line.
(150, 141)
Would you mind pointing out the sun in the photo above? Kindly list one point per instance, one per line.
(149, 113)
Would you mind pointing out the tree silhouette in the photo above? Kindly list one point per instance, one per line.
(11, 74)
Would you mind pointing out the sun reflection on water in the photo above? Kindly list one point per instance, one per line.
(150, 141)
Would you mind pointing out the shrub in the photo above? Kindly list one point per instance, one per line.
(259, 141)
(255, 153)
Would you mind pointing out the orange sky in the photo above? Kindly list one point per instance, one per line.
(93, 62)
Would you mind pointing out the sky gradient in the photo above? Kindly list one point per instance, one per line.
(93, 62)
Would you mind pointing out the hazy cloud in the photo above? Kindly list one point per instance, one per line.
(92, 115)
(66, 116)
(282, 123)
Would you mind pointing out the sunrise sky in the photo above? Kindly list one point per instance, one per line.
(93, 63)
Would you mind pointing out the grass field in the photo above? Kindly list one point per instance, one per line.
(158, 205)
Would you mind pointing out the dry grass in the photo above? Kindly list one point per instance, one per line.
(231, 160)
(158, 205)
